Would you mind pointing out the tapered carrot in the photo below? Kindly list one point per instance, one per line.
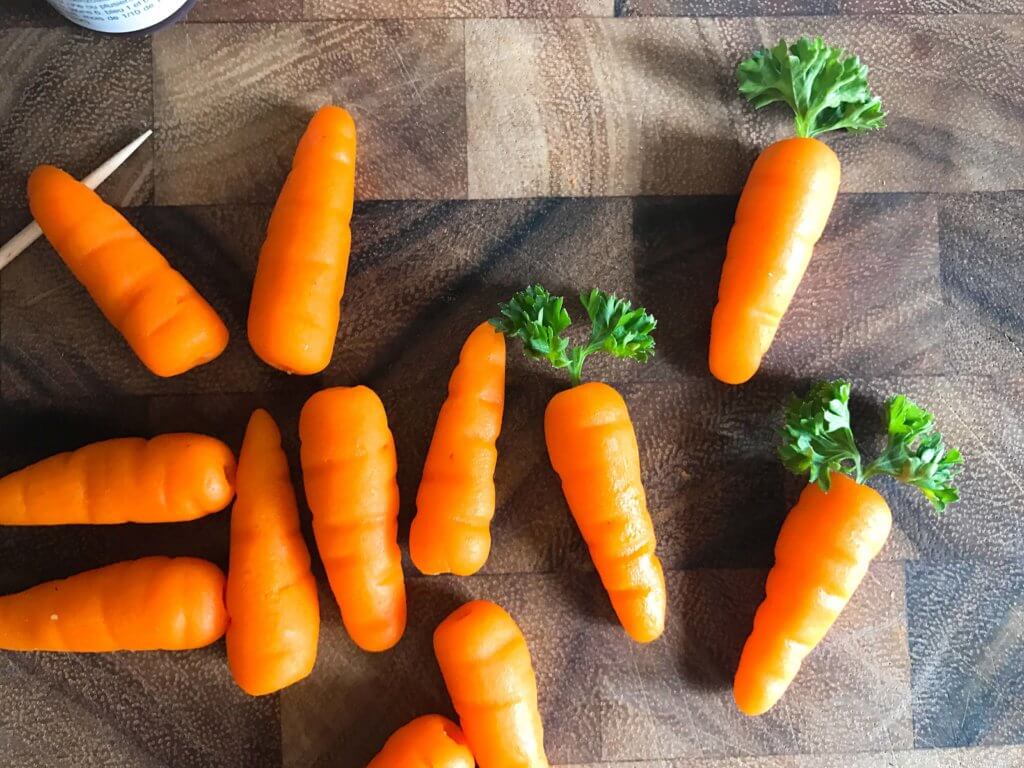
(430, 741)
(834, 532)
(489, 675)
(156, 603)
(349, 468)
(788, 196)
(168, 325)
(271, 592)
(171, 478)
(451, 531)
(300, 277)
(593, 448)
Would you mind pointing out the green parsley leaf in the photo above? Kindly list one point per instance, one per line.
(826, 89)
(817, 438)
(538, 319)
(916, 453)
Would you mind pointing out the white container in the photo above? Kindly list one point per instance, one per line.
(122, 16)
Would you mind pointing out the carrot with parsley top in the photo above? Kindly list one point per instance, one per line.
(788, 196)
(837, 527)
(593, 448)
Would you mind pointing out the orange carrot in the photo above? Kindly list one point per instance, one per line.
(430, 741)
(156, 603)
(349, 468)
(593, 448)
(171, 478)
(451, 531)
(271, 593)
(487, 668)
(167, 324)
(787, 199)
(300, 278)
(834, 532)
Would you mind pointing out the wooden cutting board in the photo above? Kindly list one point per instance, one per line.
(507, 141)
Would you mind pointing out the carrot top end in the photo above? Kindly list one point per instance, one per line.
(539, 320)
(826, 89)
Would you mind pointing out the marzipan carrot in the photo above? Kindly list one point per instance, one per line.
(349, 468)
(489, 675)
(430, 741)
(788, 196)
(271, 593)
(168, 479)
(451, 531)
(593, 448)
(835, 530)
(300, 277)
(156, 603)
(168, 325)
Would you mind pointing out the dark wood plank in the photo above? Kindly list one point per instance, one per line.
(663, 115)
(966, 632)
(73, 98)
(604, 698)
(980, 237)
(148, 710)
(236, 98)
(933, 7)
(29, 13)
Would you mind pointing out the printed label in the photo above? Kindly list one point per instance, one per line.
(117, 15)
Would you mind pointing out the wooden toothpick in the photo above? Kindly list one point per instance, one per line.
(27, 236)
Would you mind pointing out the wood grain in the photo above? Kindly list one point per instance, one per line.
(648, 128)
(662, 115)
(812, 7)
(383, 9)
(728, 7)
(145, 710)
(980, 238)
(25, 13)
(236, 98)
(245, 10)
(72, 99)
(988, 757)
(967, 652)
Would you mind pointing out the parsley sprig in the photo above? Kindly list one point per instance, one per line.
(827, 90)
(817, 440)
(538, 319)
